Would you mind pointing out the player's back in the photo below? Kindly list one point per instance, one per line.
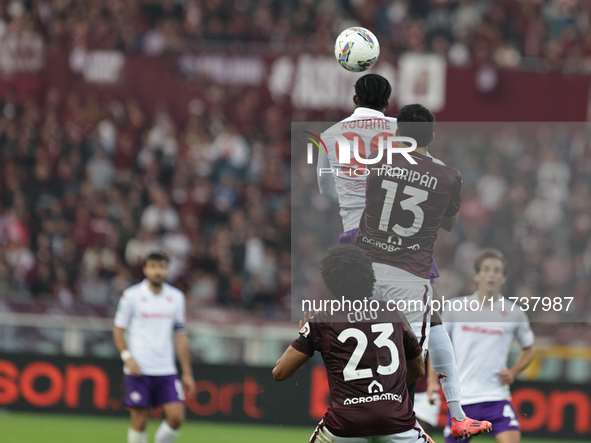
(365, 354)
(367, 126)
(405, 205)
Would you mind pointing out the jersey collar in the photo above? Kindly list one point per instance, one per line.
(367, 111)
(149, 289)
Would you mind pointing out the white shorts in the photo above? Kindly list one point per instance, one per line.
(412, 295)
(415, 435)
(426, 411)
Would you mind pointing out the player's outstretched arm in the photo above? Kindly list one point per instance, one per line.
(526, 357)
(289, 363)
(415, 369)
(130, 363)
(181, 344)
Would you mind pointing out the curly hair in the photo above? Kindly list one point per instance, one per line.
(348, 273)
(373, 91)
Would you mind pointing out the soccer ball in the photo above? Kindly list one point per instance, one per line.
(357, 49)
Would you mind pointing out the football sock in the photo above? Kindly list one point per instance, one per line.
(136, 437)
(444, 363)
(165, 434)
(412, 389)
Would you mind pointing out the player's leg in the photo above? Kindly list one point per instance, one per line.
(415, 435)
(427, 413)
(168, 430)
(439, 344)
(170, 395)
(137, 399)
(444, 363)
(505, 423)
(508, 437)
(139, 421)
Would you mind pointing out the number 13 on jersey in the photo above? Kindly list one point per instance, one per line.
(416, 196)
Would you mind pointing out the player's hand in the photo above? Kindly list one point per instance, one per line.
(189, 384)
(307, 316)
(507, 376)
(134, 368)
(432, 389)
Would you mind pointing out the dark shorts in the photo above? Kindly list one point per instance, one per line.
(149, 391)
(348, 239)
(500, 413)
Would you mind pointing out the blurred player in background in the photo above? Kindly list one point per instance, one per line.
(369, 363)
(153, 313)
(405, 206)
(482, 341)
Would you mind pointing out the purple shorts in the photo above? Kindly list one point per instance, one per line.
(500, 413)
(149, 391)
(348, 239)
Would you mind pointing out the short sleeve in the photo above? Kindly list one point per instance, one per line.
(180, 315)
(124, 311)
(456, 193)
(412, 348)
(524, 334)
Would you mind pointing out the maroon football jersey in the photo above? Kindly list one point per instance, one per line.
(404, 206)
(366, 367)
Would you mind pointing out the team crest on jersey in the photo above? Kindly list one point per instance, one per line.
(144, 299)
(169, 299)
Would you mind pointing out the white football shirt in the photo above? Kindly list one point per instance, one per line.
(482, 346)
(348, 190)
(151, 320)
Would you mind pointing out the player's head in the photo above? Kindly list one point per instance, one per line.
(491, 269)
(416, 121)
(372, 91)
(347, 273)
(156, 268)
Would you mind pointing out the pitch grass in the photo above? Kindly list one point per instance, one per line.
(48, 428)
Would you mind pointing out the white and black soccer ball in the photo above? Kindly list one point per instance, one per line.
(357, 49)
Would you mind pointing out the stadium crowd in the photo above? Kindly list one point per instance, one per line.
(88, 188)
(534, 34)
